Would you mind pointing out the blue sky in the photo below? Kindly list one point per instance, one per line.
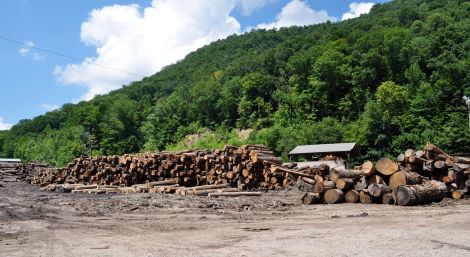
(121, 40)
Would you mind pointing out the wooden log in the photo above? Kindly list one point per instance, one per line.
(387, 199)
(404, 178)
(401, 158)
(311, 198)
(458, 159)
(234, 194)
(365, 197)
(308, 180)
(336, 174)
(440, 165)
(386, 166)
(432, 191)
(434, 149)
(323, 186)
(260, 158)
(344, 184)
(409, 153)
(360, 183)
(457, 194)
(293, 172)
(205, 187)
(368, 168)
(163, 183)
(352, 196)
(333, 196)
(378, 190)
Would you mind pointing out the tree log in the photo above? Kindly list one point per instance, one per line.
(368, 168)
(336, 174)
(311, 198)
(404, 178)
(352, 196)
(378, 190)
(365, 197)
(333, 196)
(387, 199)
(386, 166)
(432, 191)
(344, 184)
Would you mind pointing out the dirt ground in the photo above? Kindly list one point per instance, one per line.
(35, 223)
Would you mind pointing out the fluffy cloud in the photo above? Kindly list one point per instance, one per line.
(298, 13)
(141, 42)
(356, 9)
(49, 107)
(4, 126)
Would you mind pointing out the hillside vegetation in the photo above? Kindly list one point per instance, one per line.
(389, 80)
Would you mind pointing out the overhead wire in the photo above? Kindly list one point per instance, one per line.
(67, 56)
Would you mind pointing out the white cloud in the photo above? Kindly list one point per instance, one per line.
(26, 50)
(49, 107)
(4, 126)
(138, 41)
(356, 9)
(249, 6)
(298, 13)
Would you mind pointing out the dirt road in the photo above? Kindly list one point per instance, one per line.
(35, 223)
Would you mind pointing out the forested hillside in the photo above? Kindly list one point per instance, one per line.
(390, 80)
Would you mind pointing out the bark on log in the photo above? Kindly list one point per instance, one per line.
(387, 199)
(333, 196)
(336, 174)
(311, 198)
(457, 159)
(378, 190)
(432, 191)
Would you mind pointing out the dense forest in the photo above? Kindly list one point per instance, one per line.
(389, 80)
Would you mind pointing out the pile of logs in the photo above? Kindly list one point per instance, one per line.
(417, 177)
(246, 167)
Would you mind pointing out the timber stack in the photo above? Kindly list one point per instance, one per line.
(417, 177)
(246, 167)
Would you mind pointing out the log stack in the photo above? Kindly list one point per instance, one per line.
(417, 177)
(246, 167)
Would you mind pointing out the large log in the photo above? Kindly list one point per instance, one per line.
(404, 178)
(365, 197)
(336, 174)
(378, 190)
(432, 191)
(386, 166)
(344, 184)
(368, 168)
(311, 198)
(352, 196)
(333, 196)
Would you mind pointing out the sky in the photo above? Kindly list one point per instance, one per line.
(54, 52)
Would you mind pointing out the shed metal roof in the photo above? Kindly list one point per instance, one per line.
(324, 148)
(9, 160)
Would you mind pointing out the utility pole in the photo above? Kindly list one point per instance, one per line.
(467, 101)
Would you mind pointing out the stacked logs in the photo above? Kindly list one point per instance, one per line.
(246, 167)
(417, 177)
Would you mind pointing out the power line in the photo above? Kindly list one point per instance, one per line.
(68, 56)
